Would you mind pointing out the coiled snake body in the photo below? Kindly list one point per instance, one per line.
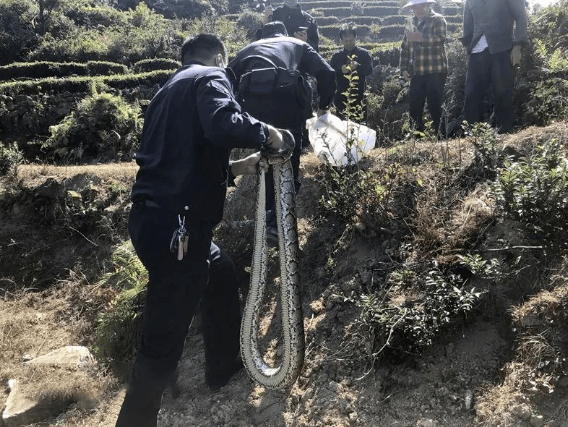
(292, 319)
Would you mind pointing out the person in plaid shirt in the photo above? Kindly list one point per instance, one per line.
(423, 61)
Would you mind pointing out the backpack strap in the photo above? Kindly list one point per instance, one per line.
(262, 58)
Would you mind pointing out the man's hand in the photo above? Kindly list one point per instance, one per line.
(414, 36)
(302, 35)
(268, 11)
(406, 75)
(516, 55)
(275, 140)
(348, 68)
(249, 165)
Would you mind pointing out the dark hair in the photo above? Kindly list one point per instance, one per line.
(202, 47)
(348, 28)
(273, 29)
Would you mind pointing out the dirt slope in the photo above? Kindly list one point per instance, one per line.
(338, 387)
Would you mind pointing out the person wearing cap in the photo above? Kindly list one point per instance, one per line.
(493, 33)
(284, 110)
(423, 62)
(298, 23)
(356, 60)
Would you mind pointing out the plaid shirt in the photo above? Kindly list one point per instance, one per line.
(429, 55)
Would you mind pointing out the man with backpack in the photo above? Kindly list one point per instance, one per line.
(272, 88)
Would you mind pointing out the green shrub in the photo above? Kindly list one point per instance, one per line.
(534, 189)
(17, 34)
(10, 157)
(41, 69)
(250, 21)
(118, 329)
(82, 84)
(412, 309)
(103, 33)
(103, 128)
(153, 64)
(547, 102)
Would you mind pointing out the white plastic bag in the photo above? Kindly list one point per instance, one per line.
(329, 135)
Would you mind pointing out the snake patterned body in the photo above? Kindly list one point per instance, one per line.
(292, 319)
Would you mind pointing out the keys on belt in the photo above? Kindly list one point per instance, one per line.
(180, 239)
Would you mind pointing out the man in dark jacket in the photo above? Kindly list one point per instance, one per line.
(190, 127)
(283, 110)
(493, 33)
(356, 61)
(298, 23)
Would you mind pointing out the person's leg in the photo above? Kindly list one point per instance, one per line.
(476, 84)
(174, 290)
(417, 99)
(503, 78)
(435, 97)
(220, 313)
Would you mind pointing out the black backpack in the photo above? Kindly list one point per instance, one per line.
(282, 84)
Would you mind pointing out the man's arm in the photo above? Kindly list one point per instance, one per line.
(404, 62)
(366, 67)
(314, 64)
(467, 27)
(519, 12)
(313, 35)
(223, 122)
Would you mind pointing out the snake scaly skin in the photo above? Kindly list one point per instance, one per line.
(285, 375)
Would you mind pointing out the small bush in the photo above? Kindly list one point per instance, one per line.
(547, 102)
(534, 189)
(250, 21)
(103, 128)
(412, 310)
(118, 329)
(17, 34)
(154, 64)
(10, 157)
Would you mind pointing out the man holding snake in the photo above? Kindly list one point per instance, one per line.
(190, 127)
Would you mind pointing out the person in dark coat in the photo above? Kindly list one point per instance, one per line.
(298, 23)
(351, 60)
(190, 127)
(284, 110)
(493, 35)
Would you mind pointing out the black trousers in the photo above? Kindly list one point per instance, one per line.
(175, 289)
(484, 70)
(424, 88)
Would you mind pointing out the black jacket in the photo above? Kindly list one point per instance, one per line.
(289, 53)
(190, 127)
(341, 58)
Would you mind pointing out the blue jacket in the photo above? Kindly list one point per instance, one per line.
(190, 127)
(495, 19)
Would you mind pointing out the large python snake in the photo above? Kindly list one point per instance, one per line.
(287, 372)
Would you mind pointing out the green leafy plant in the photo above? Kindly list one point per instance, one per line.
(414, 310)
(104, 127)
(534, 189)
(10, 157)
(118, 329)
(487, 147)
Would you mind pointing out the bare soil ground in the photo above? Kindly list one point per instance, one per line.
(51, 297)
